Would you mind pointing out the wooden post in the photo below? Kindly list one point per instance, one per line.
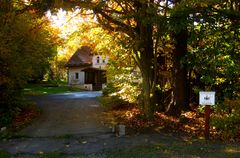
(207, 99)
(207, 118)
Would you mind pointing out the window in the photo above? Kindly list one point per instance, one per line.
(76, 76)
(98, 59)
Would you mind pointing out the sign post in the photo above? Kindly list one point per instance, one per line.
(207, 98)
(207, 118)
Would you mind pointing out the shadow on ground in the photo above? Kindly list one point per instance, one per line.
(70, 126)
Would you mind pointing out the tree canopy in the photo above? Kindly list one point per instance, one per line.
(180, 47)
(26, 47)
(171, 38)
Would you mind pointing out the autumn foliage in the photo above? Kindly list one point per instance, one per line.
(26, 49)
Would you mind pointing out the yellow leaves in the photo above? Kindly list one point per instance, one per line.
(235, 150)
(220, 81)
(127, 92)
(190, 127)
(69, 22)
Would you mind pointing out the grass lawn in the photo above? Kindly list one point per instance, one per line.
(38, 89)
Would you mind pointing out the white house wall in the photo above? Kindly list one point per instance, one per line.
(72, 76)
(99, 61)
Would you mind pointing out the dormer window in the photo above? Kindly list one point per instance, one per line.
(98, 59)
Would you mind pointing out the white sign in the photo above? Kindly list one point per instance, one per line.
(207, 98)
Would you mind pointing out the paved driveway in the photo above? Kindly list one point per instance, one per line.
(67, 114)
(78, 114)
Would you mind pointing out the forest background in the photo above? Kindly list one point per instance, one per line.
(162, 53)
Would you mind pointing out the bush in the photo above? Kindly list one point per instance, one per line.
(10, 102)
(227, 118)
(127, 91)
(228, 125)
(11, 106)
(112, 102)
(109, 89)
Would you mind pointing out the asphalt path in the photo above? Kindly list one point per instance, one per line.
(70, 123)
(67, 114)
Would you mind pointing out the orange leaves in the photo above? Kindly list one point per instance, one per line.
(190, 124)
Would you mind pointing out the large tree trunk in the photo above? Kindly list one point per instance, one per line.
(181, 84)
(180, 76)
(147, 70)
(146, 61)
(147, 106)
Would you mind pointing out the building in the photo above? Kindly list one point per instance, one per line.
(87, 70)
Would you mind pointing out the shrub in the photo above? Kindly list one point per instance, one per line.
(109, 89)
(10, 103)
(227, 118)
(112, 102)
(13, 105)
(126, 91)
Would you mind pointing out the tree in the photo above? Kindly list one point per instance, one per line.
(26, 47)
(136, 20)
(142, 22)
(76, 30)
(131, 18)
(214, 45)
(185, 15)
